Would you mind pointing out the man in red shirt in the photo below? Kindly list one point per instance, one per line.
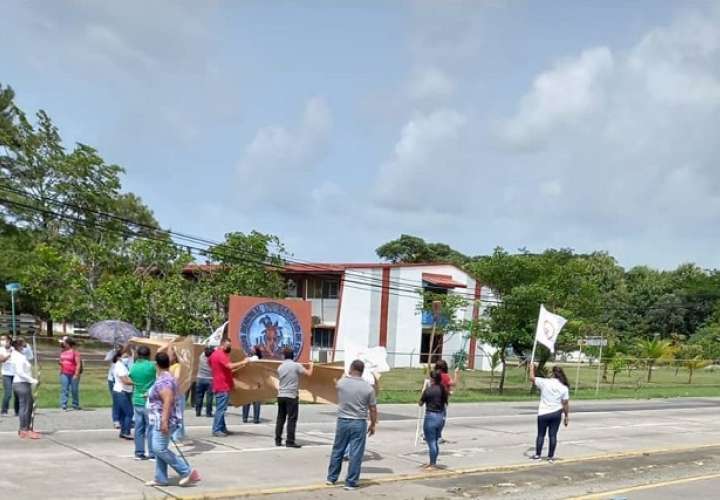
(222, 383)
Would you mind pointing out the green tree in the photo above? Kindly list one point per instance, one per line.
(246, 265)
(692, 358)
(652, 351)
(53, 285)
(412, 249)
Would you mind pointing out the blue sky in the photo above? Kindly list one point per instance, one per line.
(340, 125)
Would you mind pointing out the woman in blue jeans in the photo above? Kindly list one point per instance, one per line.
(164, 420)
(435, 399)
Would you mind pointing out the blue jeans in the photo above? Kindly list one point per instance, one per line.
(69, 384)
(164, 457)
(431, 428)
(442, 427)
(123, 400)
(7, 394)
(179, 433)
(350, 434)
(115, 413)
(202, 387)
(256, 412)
(221, 404)
(143, 432)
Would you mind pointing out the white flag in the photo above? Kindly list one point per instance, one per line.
(375, 359)
(548, 328)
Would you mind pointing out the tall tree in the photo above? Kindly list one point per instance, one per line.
(413, 249)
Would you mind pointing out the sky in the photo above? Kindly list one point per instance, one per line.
(338, 126)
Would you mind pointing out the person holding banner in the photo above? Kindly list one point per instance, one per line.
(554, 397)
(435, 399)
(449, 383)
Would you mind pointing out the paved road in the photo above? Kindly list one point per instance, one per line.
(81, 457)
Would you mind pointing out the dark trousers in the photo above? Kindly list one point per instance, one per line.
(203, 387)
(287, 409)
(23, 392)
(256, 412)
(545, 423)
(7, 394)
(123, 400)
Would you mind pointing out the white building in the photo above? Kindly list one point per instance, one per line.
(378, 304)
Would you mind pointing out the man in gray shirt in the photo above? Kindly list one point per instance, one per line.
(356, 402)
(289, 373)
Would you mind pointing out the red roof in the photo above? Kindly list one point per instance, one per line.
(442, 280)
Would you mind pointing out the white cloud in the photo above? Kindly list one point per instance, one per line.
(629, 140)
(551, 189)
(430, 83)
(419, 176)
(280, 159)
(561, 96)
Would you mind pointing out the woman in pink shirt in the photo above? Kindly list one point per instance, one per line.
(70, 369)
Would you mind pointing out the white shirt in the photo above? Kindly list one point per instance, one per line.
(552, 394)
(7, 367)
(120, 370)
(22, 368)
(28, 353)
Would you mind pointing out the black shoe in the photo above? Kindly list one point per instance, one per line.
(209, 415)
(293, 445)
(197, 414)
(278, 443)
(245, 421)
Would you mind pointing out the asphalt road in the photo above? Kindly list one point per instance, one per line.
(609, 446)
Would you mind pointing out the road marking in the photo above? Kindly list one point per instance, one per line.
(230, 493)
(641, 487)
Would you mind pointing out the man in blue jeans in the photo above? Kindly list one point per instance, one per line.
(222, 374)
(356, 402)
(142, 375)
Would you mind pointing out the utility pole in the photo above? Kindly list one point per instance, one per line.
(13, 288)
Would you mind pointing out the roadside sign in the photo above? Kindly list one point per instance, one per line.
(13, 287)
(596, 341)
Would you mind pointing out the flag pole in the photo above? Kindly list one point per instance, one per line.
(532, 360)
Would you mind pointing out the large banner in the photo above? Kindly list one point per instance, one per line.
(270, 325)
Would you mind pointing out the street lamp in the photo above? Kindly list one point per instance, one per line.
(13, 288)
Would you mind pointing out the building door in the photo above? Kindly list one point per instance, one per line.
(425, 347)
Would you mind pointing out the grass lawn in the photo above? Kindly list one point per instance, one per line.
(402, 385)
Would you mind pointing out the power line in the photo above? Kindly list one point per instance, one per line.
(366, 283)
(399, 282)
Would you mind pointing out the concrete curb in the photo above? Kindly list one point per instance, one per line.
(235, 493)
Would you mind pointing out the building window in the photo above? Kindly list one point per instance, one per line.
(323, 289)
(323, 337)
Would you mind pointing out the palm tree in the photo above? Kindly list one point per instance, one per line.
(654, 350)
(693, 364)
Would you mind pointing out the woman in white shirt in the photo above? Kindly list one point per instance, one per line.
(22, 387)
(122, 392)
(554, 397)
(7, 376)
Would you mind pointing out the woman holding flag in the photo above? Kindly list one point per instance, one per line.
(554, 397)
(555, 391)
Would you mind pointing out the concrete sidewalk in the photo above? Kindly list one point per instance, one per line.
(82, 457)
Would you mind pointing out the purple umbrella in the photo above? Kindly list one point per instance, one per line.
(113, 332)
